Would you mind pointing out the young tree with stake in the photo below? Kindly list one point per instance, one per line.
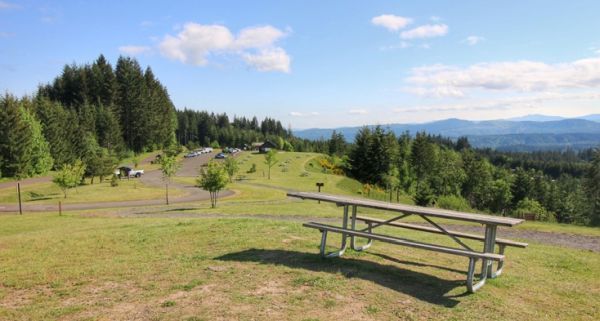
(168, 167)
(213, 178)
(231, 167)
(271, 160)
(69, 176)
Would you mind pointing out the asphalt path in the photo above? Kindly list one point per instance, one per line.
(190, 167)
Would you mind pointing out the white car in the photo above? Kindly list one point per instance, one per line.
(125, 171)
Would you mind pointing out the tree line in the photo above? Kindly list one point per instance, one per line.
(98, 114)
(562, 187)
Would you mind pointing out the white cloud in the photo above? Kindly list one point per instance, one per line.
(8, 5)
(473, 40)
(358, 112)
(195, 43)
(134, 50)
(436, 92)
(425, 31)
(258, 37)
(299, 114)
(391, 22)
(275, 59)
(510, 103)
(520, 76)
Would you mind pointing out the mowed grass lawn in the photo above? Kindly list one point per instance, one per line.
(49, 193)
(97, 268)
(256, 194)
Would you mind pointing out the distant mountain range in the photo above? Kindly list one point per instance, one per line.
(538, 117)
(532, 132)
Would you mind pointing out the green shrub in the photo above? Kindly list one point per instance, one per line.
(453, 202)
(114, 181)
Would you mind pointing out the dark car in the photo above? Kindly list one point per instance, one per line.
(221, 156)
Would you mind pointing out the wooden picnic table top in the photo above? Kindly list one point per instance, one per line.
(409, 209)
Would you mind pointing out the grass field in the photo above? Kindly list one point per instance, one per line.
(75, 268)
(49, 193)
(256, 194)
(93, 266)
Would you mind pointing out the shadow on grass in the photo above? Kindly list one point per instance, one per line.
(393, 259)
(418, 285)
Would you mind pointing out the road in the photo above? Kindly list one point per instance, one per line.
(189, 167)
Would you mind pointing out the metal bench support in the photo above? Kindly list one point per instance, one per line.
(343, 247)
(353, 239)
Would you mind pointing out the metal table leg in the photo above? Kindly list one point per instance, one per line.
(344, 245)
(353, 239)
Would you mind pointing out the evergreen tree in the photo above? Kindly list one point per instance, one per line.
(337, 144)
(359, 164)
(16, 139)
(592, 188)
(130, 103)
(41, 160)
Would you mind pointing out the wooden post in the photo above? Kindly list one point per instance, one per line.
(19, 193)
(59, 208)
(167, 188)
(319, 185)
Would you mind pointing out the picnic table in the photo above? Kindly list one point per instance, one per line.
(350, 230)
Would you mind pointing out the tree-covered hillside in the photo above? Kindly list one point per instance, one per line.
(560, 186)
(98, 114)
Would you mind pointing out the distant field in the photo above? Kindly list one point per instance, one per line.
(49, 193)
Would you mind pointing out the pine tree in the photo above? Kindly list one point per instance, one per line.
(41, 160)
(359, 164)
(15, 139)
(130, 103)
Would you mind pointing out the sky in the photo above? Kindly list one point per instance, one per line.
(325, 63)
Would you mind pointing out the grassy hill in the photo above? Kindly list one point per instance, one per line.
(175, 263)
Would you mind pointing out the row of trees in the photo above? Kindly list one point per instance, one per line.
(433, 169)
(204, 128)
(90, 113)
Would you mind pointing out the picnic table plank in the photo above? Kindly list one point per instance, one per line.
(409, 209)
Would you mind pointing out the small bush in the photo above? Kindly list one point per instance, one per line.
(114, 181)
(252, 169)
(453, 202)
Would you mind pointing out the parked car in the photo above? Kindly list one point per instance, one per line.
(125, 171)
(190, 155)
(221, 156)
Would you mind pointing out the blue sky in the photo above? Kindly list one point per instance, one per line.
(326, 63)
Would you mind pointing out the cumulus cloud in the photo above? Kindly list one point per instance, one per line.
(358, 112)
(473, 40)
(425, 31)
(275, 59)
(195, 43)
(134, 50)
(391, 22)
(520, 76)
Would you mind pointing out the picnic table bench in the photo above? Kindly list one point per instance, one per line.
(488, 256)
